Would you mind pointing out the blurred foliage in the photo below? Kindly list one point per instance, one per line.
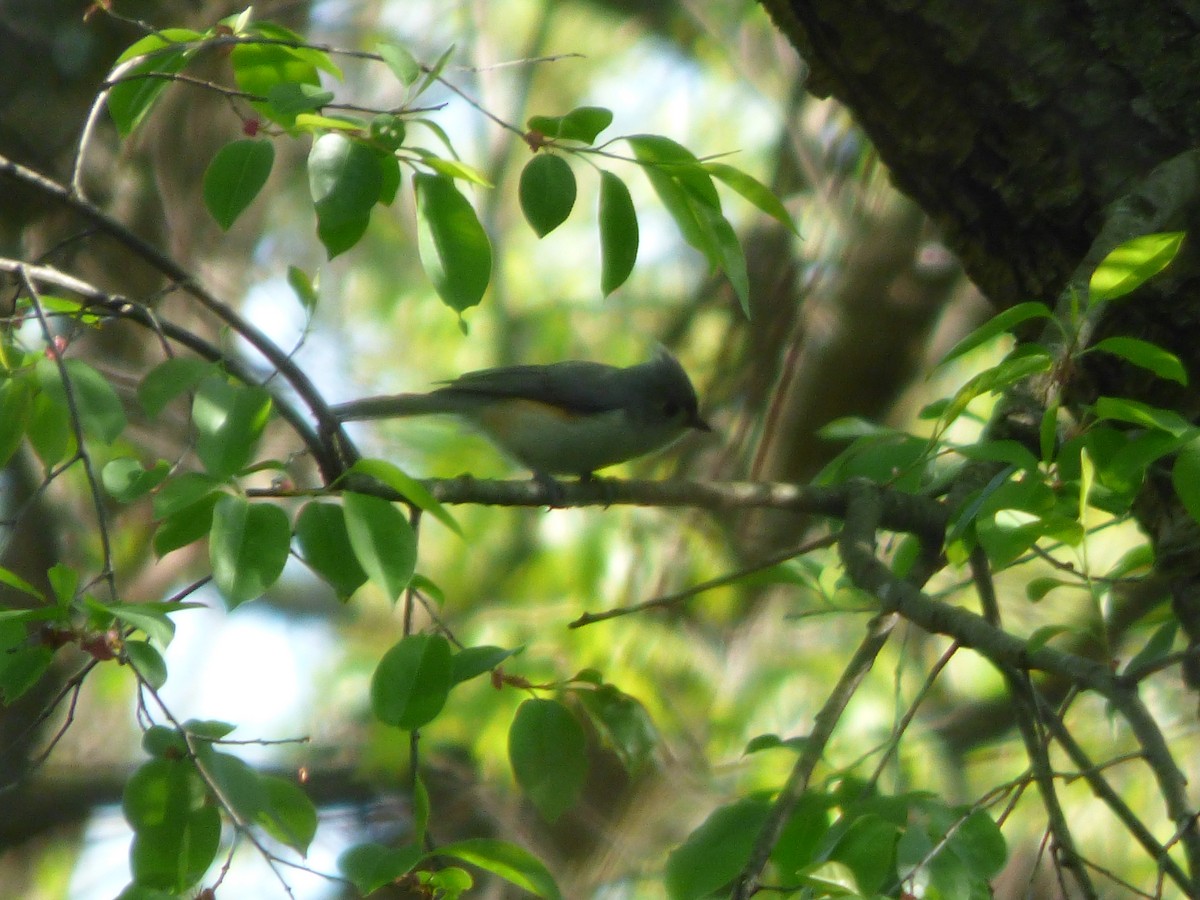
(638, 756)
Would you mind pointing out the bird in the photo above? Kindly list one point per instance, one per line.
(566, 418)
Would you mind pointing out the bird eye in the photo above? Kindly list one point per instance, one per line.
(670, 409)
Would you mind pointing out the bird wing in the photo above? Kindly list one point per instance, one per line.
(571, 385)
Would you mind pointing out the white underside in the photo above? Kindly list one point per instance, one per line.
(557, 445)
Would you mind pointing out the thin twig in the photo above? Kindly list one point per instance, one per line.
(1092, 774)
(324, 454)
(858, 536)
(678, 597)
(81, 452)
(120, 308)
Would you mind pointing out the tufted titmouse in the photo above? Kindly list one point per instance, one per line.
(567, 418)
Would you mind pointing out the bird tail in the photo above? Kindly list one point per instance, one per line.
(391, 406)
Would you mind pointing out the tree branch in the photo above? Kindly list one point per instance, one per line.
(326, 459)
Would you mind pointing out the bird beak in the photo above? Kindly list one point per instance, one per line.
(699, 424)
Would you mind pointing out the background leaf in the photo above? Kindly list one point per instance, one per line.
(547, 750)
(247, 548)
(618, 233)
(455, 250)
(382, 540)
(412, 681)
(234, 177)
(547, 192)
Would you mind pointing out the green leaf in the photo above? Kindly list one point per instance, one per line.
(371, 866)
(146, 617)
(893, 458)
(131, 98)
(21, 669)
(420, 810)
(289, 99)
(1011, 452)
(848, 428)
(618, 233)
(16, 582)
(548, 753)
(1132, 264)
(170, 379)
(438, 132)
(288, 815)
(234, 177)
(389, 173)
(682, 208)
(260, 68)
(411, 682)
(64, 581)
(428, 588)
(454, 248)
(435, 71)
(345, 181)
(1005, 541)
(687, 191)
(247, 548)
(236, 782)
(176, 829)
(402, 483)
(1156, 648)
(731, 259)
(1135, 413)
(981, 842)
(763, 742)
(1048, 432)
(582, 124)
(383, 541)
(547, 192)
(126, 480)
(1001, 323)
(1042, 636)
(304, 287)
(868, 848)
(314, 56)
(208, 729)
(148, 662)
(1150, 356)
(1185, 476)
(164, 743)
(351, 126)
(229, 421)
(388, 131)
(49, 428)
(1024, 362)
(64, 306)
(100, 411)
(754, 191)
(803, 832)
(186, 524)
(450, 882)
(1087, 480)
(16, 404)
(325, 546)
(453, 168)
(624, 723)
(716, 851)
(1036, 589)
(512, 863)
(401, 62)
(473, 661)
(659, 154)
